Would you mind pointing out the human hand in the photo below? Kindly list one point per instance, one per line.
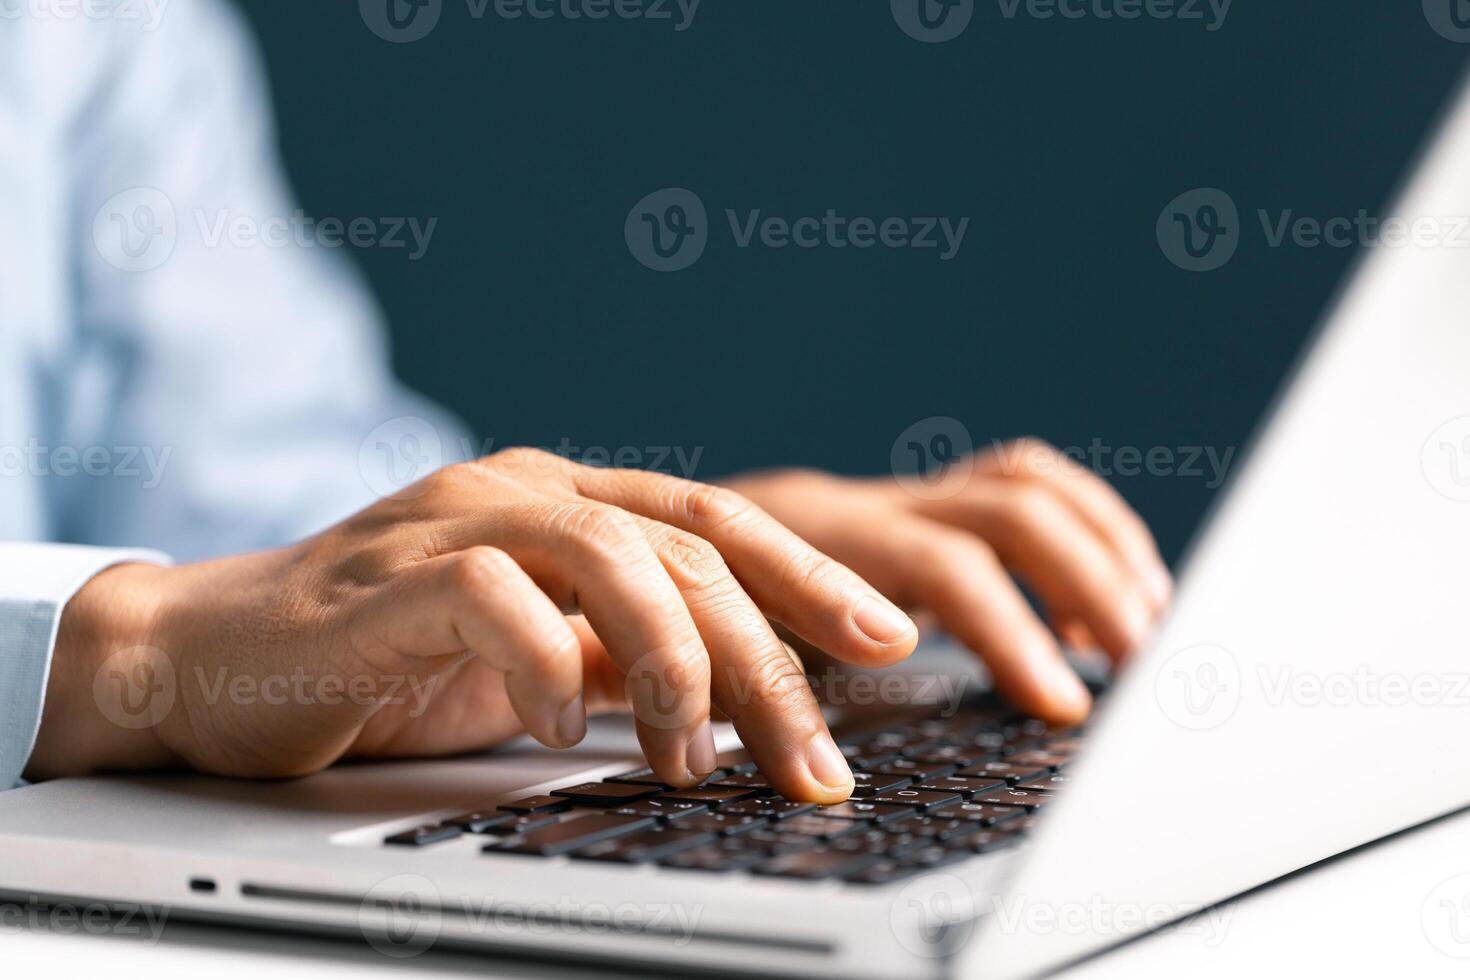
(520, 591)
(1025, 508)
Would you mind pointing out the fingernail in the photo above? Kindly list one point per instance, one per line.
(1136, 621)
(571, 724)
(826, 764)
(881, 621)
(699, 757)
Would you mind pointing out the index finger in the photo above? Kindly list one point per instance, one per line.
(822, 601)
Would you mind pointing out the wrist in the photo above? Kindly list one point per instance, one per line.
(110, 682)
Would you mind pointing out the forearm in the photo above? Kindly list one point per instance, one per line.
(106, 686)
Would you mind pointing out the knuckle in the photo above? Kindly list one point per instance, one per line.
(953, 553)
(773, 685)
(1029, 506)
(480, 567)
(707, 506)
(557, 649)
(523, 461)
(697, 562)
(605, 528)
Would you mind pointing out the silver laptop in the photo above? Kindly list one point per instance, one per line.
(1307, 695)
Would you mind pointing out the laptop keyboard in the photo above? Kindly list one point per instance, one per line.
(929, 791)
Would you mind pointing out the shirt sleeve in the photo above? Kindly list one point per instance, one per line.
(224, 337)
(36, 582)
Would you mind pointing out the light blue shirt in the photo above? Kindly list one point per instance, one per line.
(182, 366)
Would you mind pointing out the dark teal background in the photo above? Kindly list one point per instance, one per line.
(1062, 141)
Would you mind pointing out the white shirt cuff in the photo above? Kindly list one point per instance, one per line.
(36, 582)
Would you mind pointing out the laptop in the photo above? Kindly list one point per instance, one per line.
(1305, 696)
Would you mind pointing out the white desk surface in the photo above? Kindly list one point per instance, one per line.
(1394, 909)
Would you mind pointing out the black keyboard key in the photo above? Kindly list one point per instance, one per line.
(480, 821)
(879, 874)
(1009, 771)
(966, 786)
(768, 807)
(816, 864)
(710, 858)
(735, 761)
(712, 795)
(827, 828)
(572, 833)
(610, 794)
(727, 824)
(773, 841)
(537, 804)
(1040, 757)
(865, 810)
(985, 841)
(640, 777)
(521, 824)
(742, 780)
(645, 845)
(662, 809)
(430, 834)
(921, 798)
(866, 839)
(938, 828)
(873, 783)
(989, 743)
(1047, 784)
(984, 814)
(1028, 798)
(940, 754)
(916, 770)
